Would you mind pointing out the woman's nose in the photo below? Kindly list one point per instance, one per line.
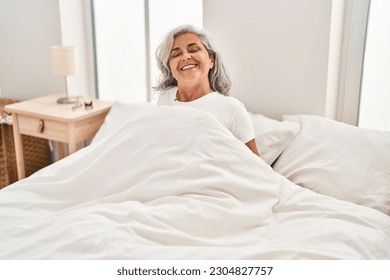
(186, 56)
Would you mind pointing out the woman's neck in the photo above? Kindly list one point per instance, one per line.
(190, 93)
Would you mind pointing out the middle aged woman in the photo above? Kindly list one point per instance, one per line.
(193, 75)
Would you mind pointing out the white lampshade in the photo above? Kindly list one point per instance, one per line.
(63, 59)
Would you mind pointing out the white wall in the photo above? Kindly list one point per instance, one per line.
(27, 30)
(76, 30)
(276, 50)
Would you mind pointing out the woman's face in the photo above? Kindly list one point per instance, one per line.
(189, 60)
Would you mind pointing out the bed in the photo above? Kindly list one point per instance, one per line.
(172, 183)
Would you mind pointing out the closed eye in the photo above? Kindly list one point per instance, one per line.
(175, 52)
(193, 47)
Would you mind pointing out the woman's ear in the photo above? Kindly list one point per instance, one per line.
(211, 61)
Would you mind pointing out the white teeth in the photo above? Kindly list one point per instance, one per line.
(188, 66)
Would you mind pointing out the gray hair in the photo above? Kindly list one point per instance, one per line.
(218, 76)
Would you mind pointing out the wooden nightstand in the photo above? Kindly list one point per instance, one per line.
(43, 117)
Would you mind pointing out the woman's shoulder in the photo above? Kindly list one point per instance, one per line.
(229, 100)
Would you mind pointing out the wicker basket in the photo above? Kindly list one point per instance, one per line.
(35, 151)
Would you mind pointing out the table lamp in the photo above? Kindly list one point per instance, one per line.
(63, 60)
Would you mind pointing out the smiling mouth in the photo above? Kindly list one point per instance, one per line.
(188, 67)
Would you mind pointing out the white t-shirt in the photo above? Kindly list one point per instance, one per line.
(230, 112)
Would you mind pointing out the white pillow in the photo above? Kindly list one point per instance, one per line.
(119, 114)
(272, 136)
(339, 160)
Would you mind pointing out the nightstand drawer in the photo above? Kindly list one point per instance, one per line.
(43, 128)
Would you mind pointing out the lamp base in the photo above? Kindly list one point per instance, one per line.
(67, 100)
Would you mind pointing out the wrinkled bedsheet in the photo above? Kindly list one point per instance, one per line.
(174, 184)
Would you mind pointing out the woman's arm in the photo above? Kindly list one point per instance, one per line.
(252, 146)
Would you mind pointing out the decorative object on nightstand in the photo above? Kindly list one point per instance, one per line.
(63, 60)
(43, 117)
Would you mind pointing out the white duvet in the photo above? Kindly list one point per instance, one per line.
(174, 184)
